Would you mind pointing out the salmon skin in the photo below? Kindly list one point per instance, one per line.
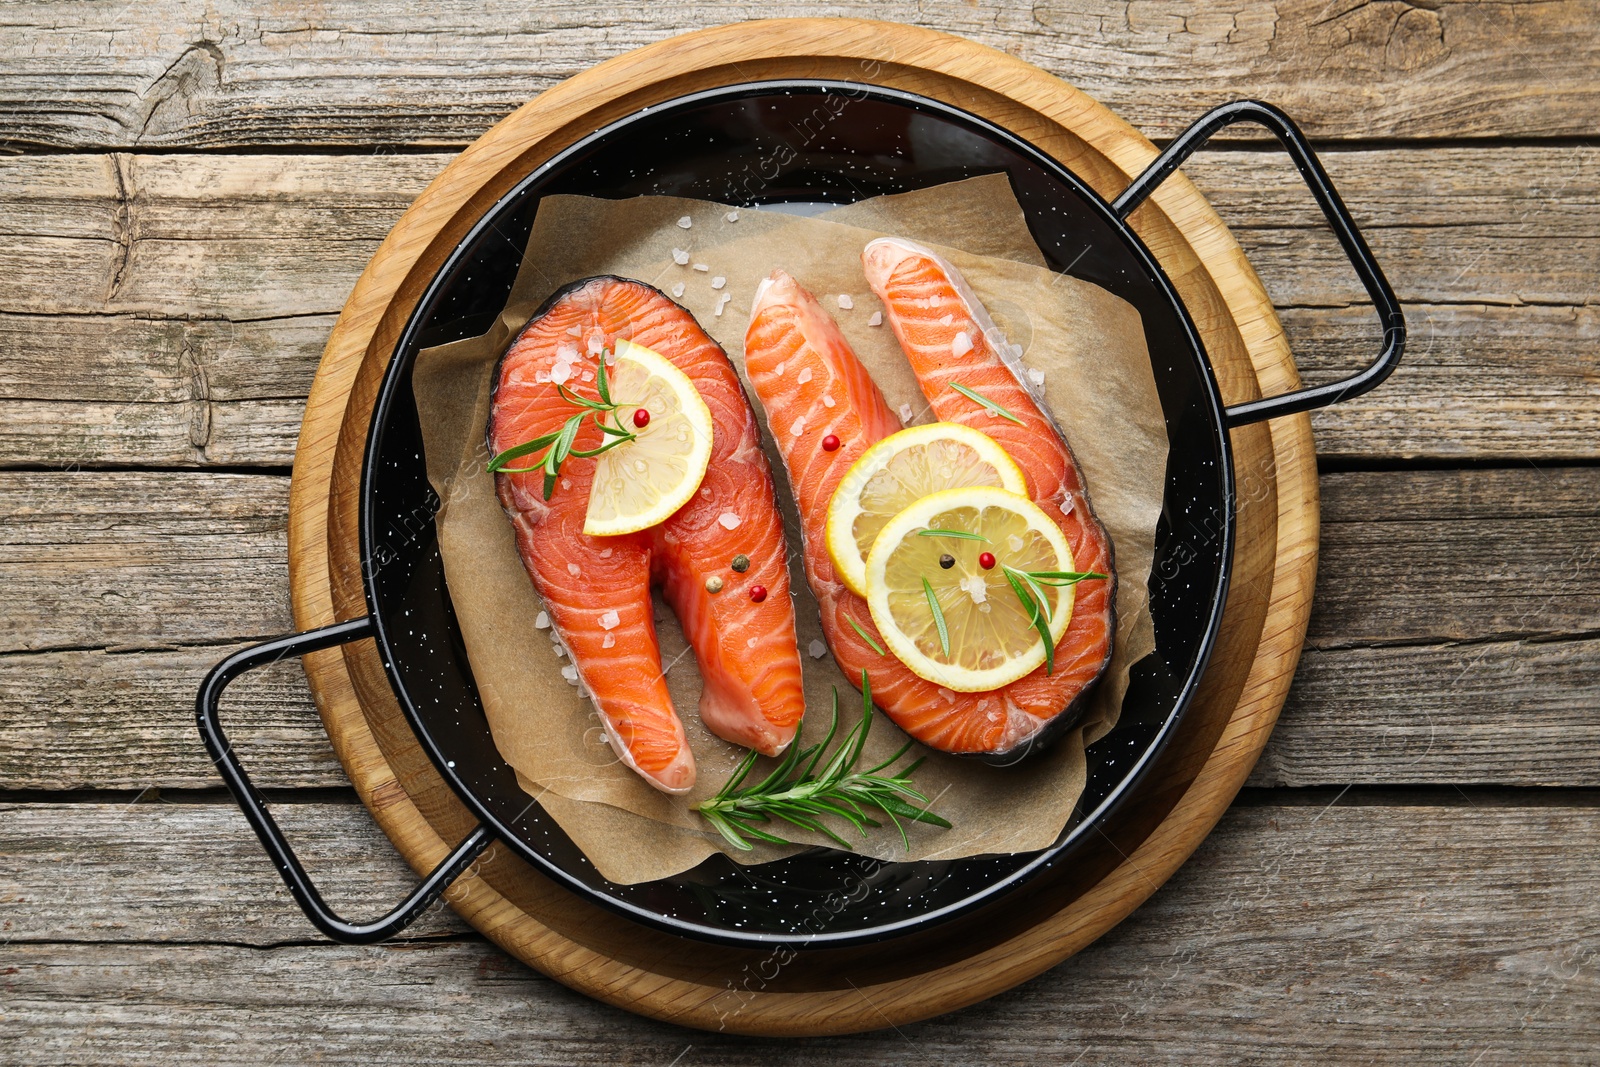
(597, 589)
(812, 384)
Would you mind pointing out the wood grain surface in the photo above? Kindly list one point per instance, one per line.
(189, 193)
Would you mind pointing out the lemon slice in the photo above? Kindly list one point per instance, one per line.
(897, 471)
(991, 634)
(639, 483)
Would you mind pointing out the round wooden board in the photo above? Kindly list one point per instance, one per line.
(840, 991)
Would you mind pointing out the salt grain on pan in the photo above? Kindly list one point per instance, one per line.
(561, 652)
(817, 649)
(718, 282)
(804, 375)
(701, 266)
(728, 520)
(1036, 376)
(677, 290)
(905, 413)
(541, 621)
(610, 620)
(570, 673)
(876, 320)
(961, 345)
(799, 426)
(679, 256)
(845, 301)
(722, 302)
(732, 216)
(685, 222)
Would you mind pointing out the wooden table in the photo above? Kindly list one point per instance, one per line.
(1411, 875)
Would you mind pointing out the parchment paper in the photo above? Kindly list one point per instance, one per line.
(1098, 382)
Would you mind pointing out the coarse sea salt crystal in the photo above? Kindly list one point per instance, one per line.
(597, 341)
(876, 320)
(1068, 502)
(799, 426)
(779, 368)
(1014, 542)
(718, 282)
(541, 621)
(845, 301)
(905, 412)
(570, 673)
(566, 483)
(561, 652)
(701, 266)
(817, 649)
(827, 401)
(574, 331)
(750, 642)
(685, 222)
(961, 345)
(609, 641)
(976, 588)
(680, 257)
(677, 290)
(732, 216)
(610, 620)
(541, 376)
(728, 520)
(560, 372)
(605, 553)
(804, 376)
(1035, 375)
(573, 569)
(566, 353)
(948, 320)
(588, 375)
(949, 697)
(722, 302)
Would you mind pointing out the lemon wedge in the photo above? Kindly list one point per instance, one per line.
(639, 483)
(983, 634)
(899, 470)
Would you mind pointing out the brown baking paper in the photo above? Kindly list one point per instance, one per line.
(1090, 346)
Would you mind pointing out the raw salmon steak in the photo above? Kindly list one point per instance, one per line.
(597, 589)
(812, 385)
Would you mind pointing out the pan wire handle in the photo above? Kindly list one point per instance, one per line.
(1333, 209)
(254, 805)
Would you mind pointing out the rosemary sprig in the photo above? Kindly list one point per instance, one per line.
(560, 442)
(1028, 585)
(965, 535)
(856, 626)
(801, 795)
(983, 401)
(938, 617)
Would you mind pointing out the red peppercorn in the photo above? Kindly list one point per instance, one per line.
(830, 443)
(986, 560)
(758, 593)
(641, 418)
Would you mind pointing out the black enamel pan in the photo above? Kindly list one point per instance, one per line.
(703, 146)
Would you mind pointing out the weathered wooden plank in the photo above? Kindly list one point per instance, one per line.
(1373, 934)
(180, 72)
(1522, 713)
(1463, 555)
(141, 560)
(1423, 707)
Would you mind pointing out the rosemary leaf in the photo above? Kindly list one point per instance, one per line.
(965, 535)
(983, 401)
(856, 626)
(938, 618)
